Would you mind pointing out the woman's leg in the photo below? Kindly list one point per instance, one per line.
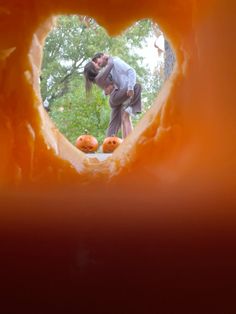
(119, 118)
(120, 96)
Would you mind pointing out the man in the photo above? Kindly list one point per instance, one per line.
(124, 78)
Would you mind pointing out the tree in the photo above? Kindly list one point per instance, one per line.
(169, 60)
(76, 114)
(71, 44)
(67, 49)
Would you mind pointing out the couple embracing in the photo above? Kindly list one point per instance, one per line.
(118, 80)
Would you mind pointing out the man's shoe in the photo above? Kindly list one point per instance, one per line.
(129, 111)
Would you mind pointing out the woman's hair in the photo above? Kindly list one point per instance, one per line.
(90, 72)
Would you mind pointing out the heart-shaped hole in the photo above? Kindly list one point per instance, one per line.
(70, 45)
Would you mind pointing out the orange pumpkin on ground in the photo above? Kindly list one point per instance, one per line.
(87, 143)
(110, 144)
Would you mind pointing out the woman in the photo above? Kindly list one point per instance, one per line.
(93, 75)
(118, 97)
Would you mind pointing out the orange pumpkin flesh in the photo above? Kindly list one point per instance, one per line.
(150, 229)
(110, 144)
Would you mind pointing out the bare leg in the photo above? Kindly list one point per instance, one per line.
(126, 124)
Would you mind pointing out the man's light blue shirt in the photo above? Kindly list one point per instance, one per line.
(123, 74)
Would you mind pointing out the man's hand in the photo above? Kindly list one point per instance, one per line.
(130, 93)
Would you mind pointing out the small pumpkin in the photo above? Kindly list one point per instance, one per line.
(110, 143)
(87, 143)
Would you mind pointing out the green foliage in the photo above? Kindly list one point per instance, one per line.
(68, 47)
(150, 89)
(75, 113)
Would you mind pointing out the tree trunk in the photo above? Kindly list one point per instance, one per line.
(169, 60)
